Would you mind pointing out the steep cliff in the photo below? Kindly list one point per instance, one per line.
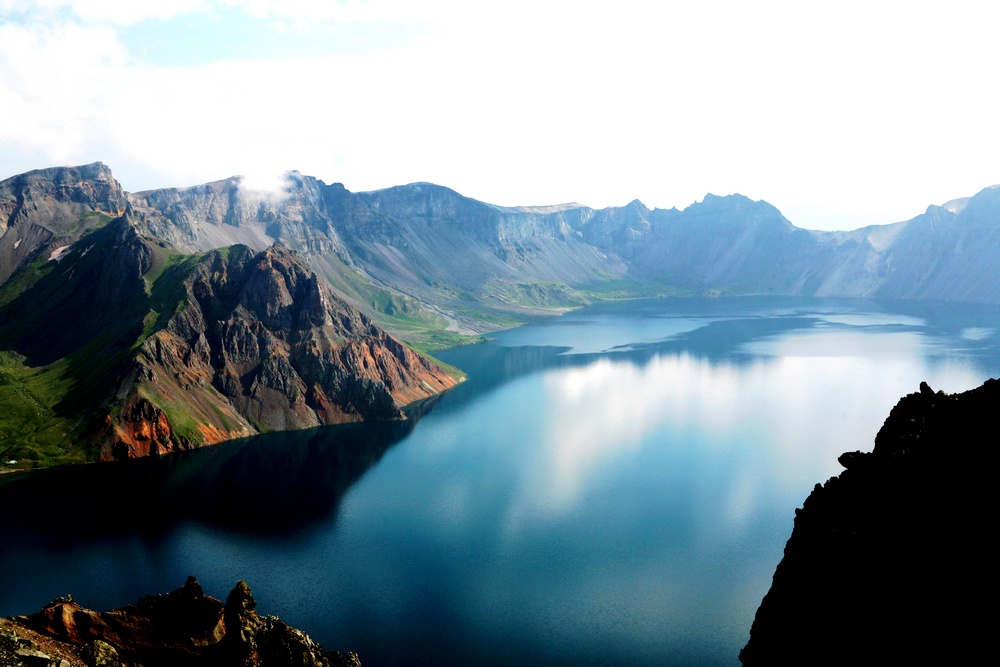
(126, 348)
(183, 628)
(260, 343)
(890, 563)
(422, 246)
(452, 253)
(43, 212)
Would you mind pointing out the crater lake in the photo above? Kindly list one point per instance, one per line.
(612, 486)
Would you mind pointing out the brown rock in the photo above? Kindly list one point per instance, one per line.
(184, 628)
(262, 344)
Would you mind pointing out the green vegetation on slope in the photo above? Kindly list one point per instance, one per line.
(403, 316)
(535, 295)
(32, 431)
(24, 279)
(61, 348)
(69, 329)
(632, 289)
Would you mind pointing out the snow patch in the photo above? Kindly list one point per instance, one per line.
(17, 243)
(58, 253)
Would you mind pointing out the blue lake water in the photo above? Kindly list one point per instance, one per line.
(614, 486)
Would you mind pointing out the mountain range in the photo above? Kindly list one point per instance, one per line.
(113, 344)
(423, 259)
(154, 321)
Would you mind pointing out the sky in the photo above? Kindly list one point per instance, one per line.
(839, 114)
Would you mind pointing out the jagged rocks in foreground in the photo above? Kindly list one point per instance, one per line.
(184, 628)
(891, 563)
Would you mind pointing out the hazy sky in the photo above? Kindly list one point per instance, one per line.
(841, 114)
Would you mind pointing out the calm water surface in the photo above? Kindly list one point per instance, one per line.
(614, 486)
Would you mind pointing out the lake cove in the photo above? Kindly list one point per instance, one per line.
(614, 486)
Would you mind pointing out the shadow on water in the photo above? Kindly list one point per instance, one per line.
(273, 484)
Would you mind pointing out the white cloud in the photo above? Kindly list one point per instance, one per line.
(52, 81)
(120, 12)
(342, 11)
(867, 112)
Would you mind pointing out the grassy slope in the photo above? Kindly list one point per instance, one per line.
(32, 432)
(404, 317)
(47, 407)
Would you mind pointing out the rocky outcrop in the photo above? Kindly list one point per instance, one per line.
(230, 212)
(261, 344)
(183, 628)
(21, 647)
(159, 352)
(141, 429)
(890, 563)
(252, 639)
(43, 212)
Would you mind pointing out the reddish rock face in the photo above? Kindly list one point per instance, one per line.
(174, 625)
(142, 429)
(174, 353)
(261, 344)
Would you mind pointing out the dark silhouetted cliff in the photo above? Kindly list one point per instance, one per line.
(890, 563)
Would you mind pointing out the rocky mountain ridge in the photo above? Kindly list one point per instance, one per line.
(263, 345)
(166, 351)
(423, 258)
(52, 208)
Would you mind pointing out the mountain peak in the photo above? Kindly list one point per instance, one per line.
(734, 204)
(46, 210)
(266, 346)
(735, 197)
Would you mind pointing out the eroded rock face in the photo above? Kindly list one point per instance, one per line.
(168, 353)
(184, 628)
(22, 647)
(889, 563)
(171, 353)
(49, 209)
(252, 639)
(141, 430)
(261, 344)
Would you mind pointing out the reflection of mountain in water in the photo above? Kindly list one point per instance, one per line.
(273, 483)
(727, 332)
(490, 365)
